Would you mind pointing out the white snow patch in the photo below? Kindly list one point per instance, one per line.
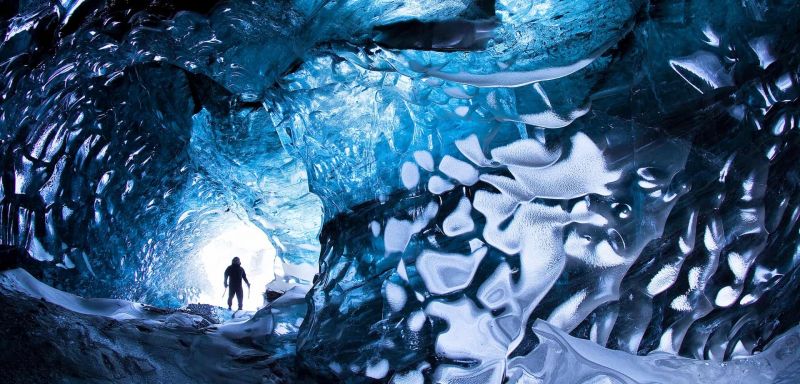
(409, 174)
(424, 160)
(378, 370)
(459, 170)
(438, 185)
(459, 221)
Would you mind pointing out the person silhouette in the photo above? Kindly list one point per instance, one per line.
(234, 275)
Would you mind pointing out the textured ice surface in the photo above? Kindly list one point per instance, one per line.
(154, 344)
(74, 339)
(625, 170)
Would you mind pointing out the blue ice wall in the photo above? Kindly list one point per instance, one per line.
(118, 202)
(624, 170)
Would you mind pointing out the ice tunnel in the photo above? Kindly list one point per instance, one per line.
(420, 191)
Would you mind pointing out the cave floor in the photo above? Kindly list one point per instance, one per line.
(53, 337)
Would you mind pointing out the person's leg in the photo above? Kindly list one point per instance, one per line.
(230, 296)
(240, 296)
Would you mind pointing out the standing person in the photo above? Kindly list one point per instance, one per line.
(235, 274)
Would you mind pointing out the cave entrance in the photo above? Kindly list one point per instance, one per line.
(253, 247)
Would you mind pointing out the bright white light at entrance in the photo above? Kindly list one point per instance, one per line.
(255, 251)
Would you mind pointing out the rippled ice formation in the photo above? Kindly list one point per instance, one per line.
(125, 342)
(623, 170)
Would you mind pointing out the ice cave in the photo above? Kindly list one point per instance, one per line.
(415, 191)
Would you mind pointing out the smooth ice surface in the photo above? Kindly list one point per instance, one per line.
(443, 176)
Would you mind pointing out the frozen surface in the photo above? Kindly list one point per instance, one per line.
(100, 340)
(158, 344)
(444, 176)
(20, 281)
(560, 358)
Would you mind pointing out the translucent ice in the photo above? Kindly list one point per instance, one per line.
(445, 176)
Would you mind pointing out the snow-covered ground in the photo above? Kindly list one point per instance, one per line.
(52, 336)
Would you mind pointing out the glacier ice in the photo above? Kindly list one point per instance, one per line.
(50, 335)
(125, 342)
(473, 191)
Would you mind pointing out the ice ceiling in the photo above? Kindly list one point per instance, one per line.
(454, 170)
